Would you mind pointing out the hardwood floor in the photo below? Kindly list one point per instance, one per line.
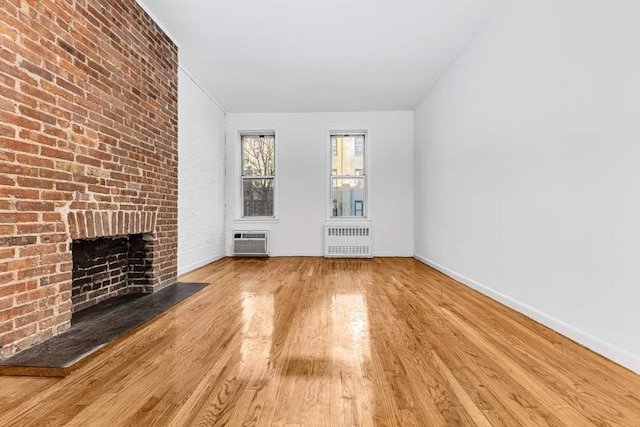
(309, 341)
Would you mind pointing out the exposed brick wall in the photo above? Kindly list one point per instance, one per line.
(88, 126)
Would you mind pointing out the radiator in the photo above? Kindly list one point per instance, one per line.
(251, 243)
(348, 241)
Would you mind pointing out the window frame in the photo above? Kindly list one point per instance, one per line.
(331, 132)
(241, 177)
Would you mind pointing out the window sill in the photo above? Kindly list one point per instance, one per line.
(260, 220)
(349, 219)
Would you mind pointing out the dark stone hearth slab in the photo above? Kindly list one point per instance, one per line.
(93, 329)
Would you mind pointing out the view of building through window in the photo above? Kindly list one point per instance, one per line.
(258, 175)
(348, 176)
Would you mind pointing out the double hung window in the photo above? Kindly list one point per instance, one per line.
(258, 175)
(348, 176)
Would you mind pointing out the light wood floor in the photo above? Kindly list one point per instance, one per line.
(308, 341)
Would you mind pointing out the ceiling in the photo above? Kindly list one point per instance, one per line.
(323, 55)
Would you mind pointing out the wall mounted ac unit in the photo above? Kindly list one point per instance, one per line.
(251, 243)
(348, 241)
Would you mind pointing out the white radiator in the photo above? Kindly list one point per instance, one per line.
(348, 241)
(251, 243)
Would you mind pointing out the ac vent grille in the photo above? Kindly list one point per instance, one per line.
(348, 241)
(250, 243)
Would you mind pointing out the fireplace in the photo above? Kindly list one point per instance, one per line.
(89, 157)
(107, 267)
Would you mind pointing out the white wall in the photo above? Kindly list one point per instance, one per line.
(302, 178)
(527, 169)
(201, 190)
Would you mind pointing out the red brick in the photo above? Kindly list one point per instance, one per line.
(19, 193)
(6, 327)
(14, 312)
(25, 320)
(15, 72)
(69, 186)
(56, 154)
(6, 156)
(18, 334)
(6, 302)
(37, 115)
(52, 238)
(19, 121)
(33, 295)
(18, 97)
(34, 206)
(6, 253)
(21, 146)
(34, 161)
(62, 278)
(13, 169)
(68, 86)
(34, 69)
(29, 251)
(7, 229)
(34, 183)
(14, 217)
(37, 137)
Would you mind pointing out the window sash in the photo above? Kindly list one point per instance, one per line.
(271, 163)
(349, 199)
(355, 154)
(255, 207)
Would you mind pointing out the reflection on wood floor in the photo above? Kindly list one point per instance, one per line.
(309, 341)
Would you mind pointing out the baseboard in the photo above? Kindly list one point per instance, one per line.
(294, 254)
(393, 255)
(608, 350)
(201, 263)
(321, 254)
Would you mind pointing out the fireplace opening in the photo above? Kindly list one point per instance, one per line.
(110, 267)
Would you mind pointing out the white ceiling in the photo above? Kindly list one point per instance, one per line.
(321, 55)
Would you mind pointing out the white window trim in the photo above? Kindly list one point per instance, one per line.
(237, 160)
(368, 205)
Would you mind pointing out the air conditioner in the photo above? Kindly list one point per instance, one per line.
(348, 241)
(251, 243)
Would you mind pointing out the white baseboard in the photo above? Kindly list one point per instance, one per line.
(321, 254)
(201, 263)
(282, 254)
(608, 350)
(393, 255)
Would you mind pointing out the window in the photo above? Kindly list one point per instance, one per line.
(348, 176)
(258, 175)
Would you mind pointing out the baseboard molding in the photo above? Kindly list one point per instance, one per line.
(321, 254)
(296, 254)
(393, 255)
(608, 350)
(201, 263)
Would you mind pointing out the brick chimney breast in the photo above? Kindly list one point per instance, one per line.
(88, 151)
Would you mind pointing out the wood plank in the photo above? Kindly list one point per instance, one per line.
(313, 341)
